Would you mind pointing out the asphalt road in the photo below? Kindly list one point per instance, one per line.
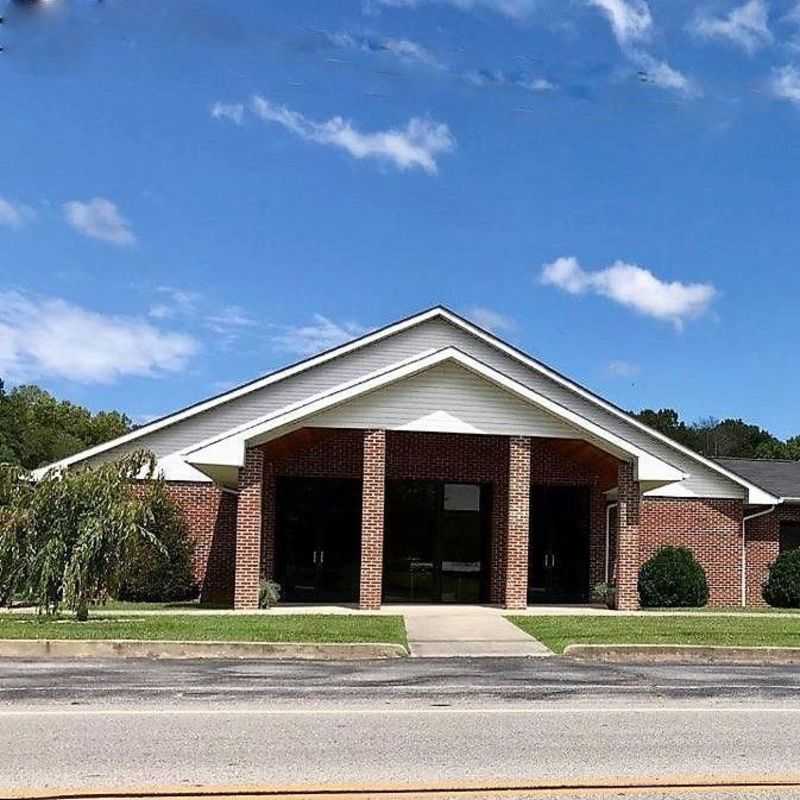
(146, 723)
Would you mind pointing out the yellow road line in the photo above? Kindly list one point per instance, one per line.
(673, 785)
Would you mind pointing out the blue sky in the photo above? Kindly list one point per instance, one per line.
(194, 195)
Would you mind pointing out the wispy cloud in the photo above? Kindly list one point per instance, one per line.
(230, 111)
(785, 84)
(499, 78)
(632, 23)
(43, 337)
(634, 287)
(624, 369)
(99, 218)
(14, 215)
(491, 320)
(229, 320)
(403, 49)
(630, 20)
(416, 146)
(661, 74)
(176, 303)
(746, 26)
(515, 9)
(320, 334)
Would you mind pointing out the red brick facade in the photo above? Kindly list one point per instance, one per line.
(211, 523)
(709, 527)
(762, 547)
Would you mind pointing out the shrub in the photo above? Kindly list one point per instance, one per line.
(269, 594)
(782, 586)
(672, 578)
(160, 572)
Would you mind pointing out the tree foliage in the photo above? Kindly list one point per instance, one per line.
(161, 572)
(71, 536)
(719, 438)
(36, 429)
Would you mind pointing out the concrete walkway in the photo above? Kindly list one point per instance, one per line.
(466, 631)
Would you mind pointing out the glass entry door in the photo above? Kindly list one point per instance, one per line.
(318, 542)
(435, 542)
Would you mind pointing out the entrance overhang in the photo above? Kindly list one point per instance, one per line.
(223, 455)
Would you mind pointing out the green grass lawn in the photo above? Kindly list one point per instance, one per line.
(196, 627)
(557, 632)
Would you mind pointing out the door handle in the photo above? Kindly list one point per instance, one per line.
(321, 556)
(316, 554)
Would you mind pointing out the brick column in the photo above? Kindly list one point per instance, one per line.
(268, 523)
(627, 572)
(518, 523)
(248, 531)
(372, 503)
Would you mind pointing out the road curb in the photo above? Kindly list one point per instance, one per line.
(696, 654)
(134, 648)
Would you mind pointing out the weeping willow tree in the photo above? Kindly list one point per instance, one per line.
(69, 537)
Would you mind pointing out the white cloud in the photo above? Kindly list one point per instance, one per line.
(491, 320)
(99, 219)
(785, 83)
(634, 287)
(415, 146)
(320, 334)
(14, 215)
(515, 9)
(48, 337)
(746, 26)
(232, 111)
(630, 20)
(660, 74)
(624, 369)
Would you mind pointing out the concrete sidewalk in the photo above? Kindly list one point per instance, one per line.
(466, 631)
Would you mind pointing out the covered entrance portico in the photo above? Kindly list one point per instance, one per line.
(446, 483)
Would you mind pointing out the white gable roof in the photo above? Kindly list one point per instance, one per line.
(538, 372)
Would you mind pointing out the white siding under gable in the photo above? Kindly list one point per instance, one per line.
(447, 398)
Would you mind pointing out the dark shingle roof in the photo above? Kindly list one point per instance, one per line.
(781, 478)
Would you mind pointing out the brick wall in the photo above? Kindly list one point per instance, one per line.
(710, 528)
(210, 516)
(763, 542)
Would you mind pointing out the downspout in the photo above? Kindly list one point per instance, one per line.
(609, 508)
(745, 520)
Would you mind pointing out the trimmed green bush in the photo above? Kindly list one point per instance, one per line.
(161, 572)
(672, 578)
(782, 585)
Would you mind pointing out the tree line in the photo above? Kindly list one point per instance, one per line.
(37, 429)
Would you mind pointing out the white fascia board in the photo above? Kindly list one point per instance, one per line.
(212, 451)
(756, 495)
(245, 389)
